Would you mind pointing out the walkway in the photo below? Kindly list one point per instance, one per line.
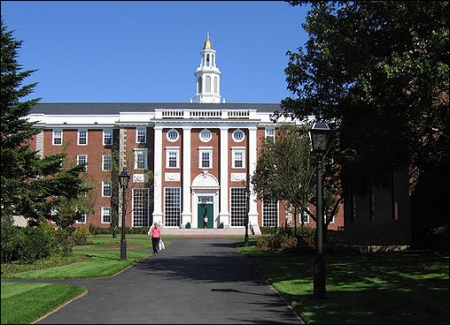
(201, 280)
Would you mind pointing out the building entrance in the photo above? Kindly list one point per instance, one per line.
(208, 209)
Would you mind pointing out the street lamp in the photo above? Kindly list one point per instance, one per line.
(123, 180)
(247, 196)
(320, 135)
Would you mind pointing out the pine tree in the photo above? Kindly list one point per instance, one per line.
(31, 186)
(17, 158)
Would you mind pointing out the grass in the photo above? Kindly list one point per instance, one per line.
(385, 288)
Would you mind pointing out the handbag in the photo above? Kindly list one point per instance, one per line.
(161, 245)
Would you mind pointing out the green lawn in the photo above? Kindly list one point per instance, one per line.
(387, 288)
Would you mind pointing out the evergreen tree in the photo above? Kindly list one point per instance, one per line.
(31, 186)
(17, 159)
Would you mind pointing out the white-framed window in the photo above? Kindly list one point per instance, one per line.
(205, 135)
(107, 137)
(270, 212)
(238, 206)
(106, 188)
(83, 193)
(140, 158)
(172, 206)
(270, 134)
(82, 219)
(57, 137)
(172, 135)
(305, 216)
(82, 159)
(82, 137)
(238, 155)
(172, 157)
(205, 157)
(141, 135)
(107, 162)
(141, 208)
(106, 215)
(238, 135)
(328, 213)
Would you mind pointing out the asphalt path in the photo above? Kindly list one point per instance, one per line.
(193, 281)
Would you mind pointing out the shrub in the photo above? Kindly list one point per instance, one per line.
(35, 244)
(81, 236)
(10, 239)
(278, 241)
(65, 240)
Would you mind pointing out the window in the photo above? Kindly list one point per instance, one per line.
(173, 157)
(270, 212)
(328, 214)
(238, 135)
(205, 135)
(141, 135)
(172, 135)
(83, 192)
(57, 136)
(106, 163)
(82, 137)
(238, 158)
(238, 206)
(270, 134)
(140, 158)
(141, 213)
(172, 206)
(82, 219)
(205, 158)
(82, 159)
(107, 137)
(106, 215)
(106, 188)
(305, 217)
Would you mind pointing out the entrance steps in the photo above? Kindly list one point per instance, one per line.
(201, 232)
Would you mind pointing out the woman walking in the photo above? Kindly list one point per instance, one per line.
(155, 235)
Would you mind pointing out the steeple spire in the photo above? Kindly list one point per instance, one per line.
(207, 75)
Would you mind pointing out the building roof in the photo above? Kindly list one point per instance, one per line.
(116, 108)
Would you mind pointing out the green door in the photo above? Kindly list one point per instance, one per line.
(208, 209)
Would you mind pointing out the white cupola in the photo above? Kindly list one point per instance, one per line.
(207, 76)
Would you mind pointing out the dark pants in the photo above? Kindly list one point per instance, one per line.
(155, 244)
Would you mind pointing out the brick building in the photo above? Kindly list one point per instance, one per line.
(184, 159)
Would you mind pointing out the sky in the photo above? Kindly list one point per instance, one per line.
(147, 51)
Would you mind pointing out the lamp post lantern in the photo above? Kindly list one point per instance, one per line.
(247, 196)
(320, 135)
(123, 180)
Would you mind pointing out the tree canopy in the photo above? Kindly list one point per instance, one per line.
(377, 72)
(287, 170)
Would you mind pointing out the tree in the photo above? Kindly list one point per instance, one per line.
(286, 171)
(31, 185)
(377, 71)
(17, 159)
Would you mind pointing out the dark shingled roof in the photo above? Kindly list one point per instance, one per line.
(116, 108)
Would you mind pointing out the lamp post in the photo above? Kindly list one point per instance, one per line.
(247, 196)
(320, 135)
(123, 180)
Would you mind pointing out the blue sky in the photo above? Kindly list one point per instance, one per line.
(147, 51)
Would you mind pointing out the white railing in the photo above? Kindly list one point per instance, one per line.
(201, 114)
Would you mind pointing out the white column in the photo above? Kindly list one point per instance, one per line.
(186, 215)
(224, 214)
(157, 177)
(252, 150)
